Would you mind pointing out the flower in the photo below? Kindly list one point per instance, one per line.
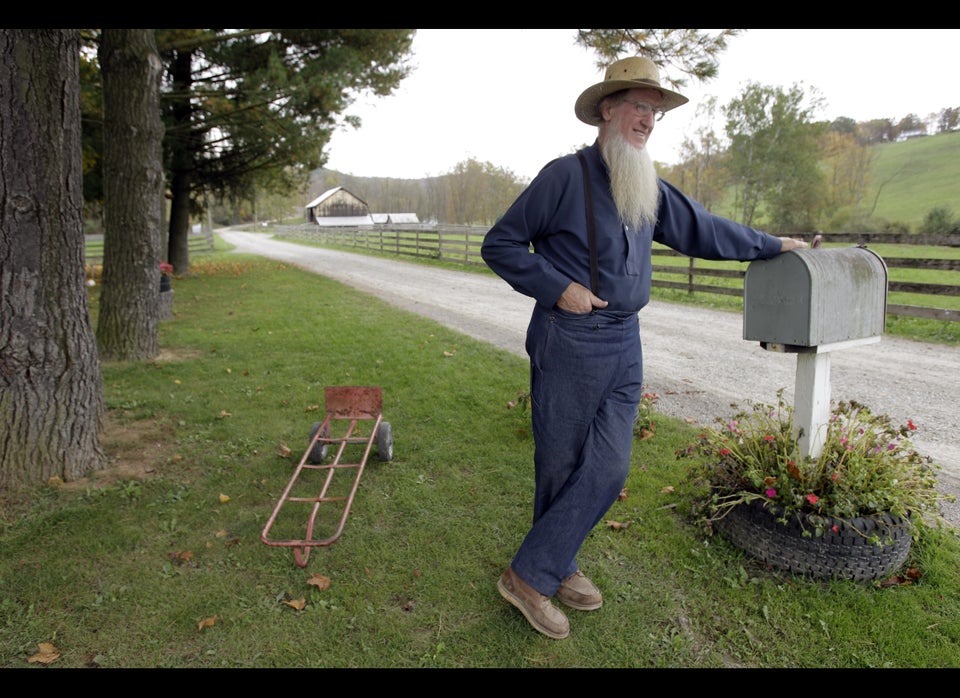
(865, 467)
(644, 426)
(166, 268)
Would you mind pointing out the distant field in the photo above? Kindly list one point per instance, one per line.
(915, 177)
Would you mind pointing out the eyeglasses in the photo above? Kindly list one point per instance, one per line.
(646, 109)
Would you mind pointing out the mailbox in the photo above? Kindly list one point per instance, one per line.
(815, 296)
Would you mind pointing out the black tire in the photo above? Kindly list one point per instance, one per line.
(318, 451)
(385, 441)
(845, 553)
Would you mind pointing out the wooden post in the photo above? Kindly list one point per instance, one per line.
(811, 395)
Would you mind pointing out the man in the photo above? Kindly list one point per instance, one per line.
(586, 370)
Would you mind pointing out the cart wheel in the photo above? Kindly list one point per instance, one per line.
(318, 451)
(385, 441)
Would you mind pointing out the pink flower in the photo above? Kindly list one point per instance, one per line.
(166, 268)
(812, 498)
(771, 493)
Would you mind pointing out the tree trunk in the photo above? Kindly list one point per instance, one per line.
(51, 388)
(178, 244)
(133, 195)
(182, 151)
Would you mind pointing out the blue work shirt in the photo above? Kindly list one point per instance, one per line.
(550, 215)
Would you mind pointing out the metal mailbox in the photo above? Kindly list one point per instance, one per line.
(815, 296)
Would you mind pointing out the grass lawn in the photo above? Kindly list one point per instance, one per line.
(158, 562)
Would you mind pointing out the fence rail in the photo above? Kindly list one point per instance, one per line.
(93, 247)
(461, 244)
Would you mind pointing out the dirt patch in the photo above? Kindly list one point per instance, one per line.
(136, 450)
(177, 354)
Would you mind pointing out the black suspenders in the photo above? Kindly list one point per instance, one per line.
(591, 228)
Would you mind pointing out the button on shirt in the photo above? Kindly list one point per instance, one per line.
(550, 216)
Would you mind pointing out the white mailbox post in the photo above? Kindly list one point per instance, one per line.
(812, 302)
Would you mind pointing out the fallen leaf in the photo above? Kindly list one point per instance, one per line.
(298, 604)
(221, 533)
(646, 434)
(312, 408)
(690, 420)
(224, 413)
(623, 494)
(224, 499)
(667, 490)
(319, 581)
(46, 654)
(617, 525)
(449, 353)
(283, 451)
(207, 623)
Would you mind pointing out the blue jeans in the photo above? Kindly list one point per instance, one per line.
(586, 380)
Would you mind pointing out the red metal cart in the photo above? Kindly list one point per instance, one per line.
(353, 424)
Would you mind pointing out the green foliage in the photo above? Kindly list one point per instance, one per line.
(939, 220)
(867, 466)
(693, 51)
(272, 96)
(774, 156)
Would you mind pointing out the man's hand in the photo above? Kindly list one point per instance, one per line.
(787, 244)
(577, 298)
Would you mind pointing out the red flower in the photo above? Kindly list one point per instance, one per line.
(166, 268)
(812, 498)
(771, 493)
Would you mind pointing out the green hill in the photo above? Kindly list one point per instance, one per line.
(914, 177)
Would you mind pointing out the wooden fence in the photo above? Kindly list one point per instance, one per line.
(198, 242)
(461, 244)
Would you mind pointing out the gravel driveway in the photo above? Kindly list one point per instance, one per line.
(695, 359)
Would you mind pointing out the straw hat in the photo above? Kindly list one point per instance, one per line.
(625, 74)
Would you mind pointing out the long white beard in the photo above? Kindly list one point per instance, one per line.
(633, 180)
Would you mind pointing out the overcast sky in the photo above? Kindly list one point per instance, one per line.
(506, 96)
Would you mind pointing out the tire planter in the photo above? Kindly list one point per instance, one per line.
(846, 553)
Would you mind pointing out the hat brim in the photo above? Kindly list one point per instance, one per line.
(587, 106)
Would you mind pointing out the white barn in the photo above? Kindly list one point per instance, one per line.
(339, 207)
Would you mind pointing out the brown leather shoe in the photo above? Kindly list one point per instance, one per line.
(536, 608)
(576, 591)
